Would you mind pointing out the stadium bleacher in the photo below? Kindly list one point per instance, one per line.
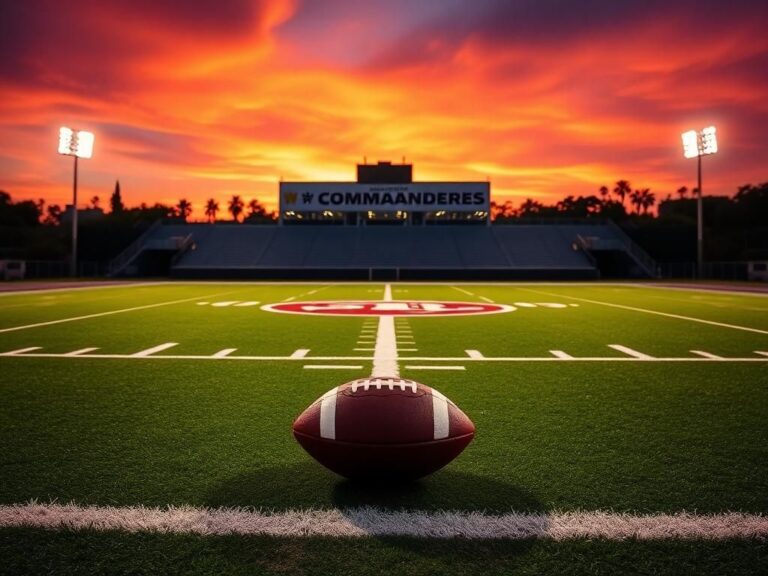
(361, 252)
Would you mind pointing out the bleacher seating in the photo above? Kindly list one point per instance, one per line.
(447, 251)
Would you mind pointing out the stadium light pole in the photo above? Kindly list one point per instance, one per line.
(78, 144)
(696, 145)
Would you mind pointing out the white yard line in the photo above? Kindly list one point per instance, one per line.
(28, 353)
(81, 351)
(467, 292)
(630, 352)
(476, 354)
(373, 522)
(150, 351)
(332, 367)
(385, 352)
(761, 353)
(704, 354)
(224, 353)
(109, 313)
(561, 355)
(647, 311)
(435, 367)
(300, 353)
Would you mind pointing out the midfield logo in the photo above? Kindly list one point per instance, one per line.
(378, 308)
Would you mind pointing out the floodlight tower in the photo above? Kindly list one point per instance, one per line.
(79, 144)
(696, 145)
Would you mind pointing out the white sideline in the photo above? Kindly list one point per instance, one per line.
(109, 313)
(370, 521)
(647, 311)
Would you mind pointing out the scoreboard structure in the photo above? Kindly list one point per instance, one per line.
(385, 194)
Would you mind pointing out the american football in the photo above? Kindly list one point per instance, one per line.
(383, 428)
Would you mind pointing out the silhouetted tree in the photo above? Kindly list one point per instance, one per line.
(682, 192)
(647, 199)
(635, 200)
(255, 208)
(95, 201)
(235, 207)
(530, 208)
(622, 190)
(184, 209)
(52, 215)
(116, 205)
(211, 209)
(604, 193)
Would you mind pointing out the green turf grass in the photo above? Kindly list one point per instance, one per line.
(627, 436)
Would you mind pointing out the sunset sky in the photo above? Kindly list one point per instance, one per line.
(545, 98)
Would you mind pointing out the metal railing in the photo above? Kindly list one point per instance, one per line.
(644, 260)
(119, 262)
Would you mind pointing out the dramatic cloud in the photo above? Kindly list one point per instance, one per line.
(544, 97)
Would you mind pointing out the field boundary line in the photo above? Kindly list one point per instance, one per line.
(647, 311)
(370, 521)
(108, 313)
(558, 356)
(30, 291)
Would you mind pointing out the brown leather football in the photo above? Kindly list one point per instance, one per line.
(383, 428)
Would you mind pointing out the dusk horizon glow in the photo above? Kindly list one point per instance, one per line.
(544, 99)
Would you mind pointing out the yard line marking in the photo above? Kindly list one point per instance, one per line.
(561, 355)
(704, 354)
(657, 313)
(224, 304)
(363, 349)
(370, 521)
(331, 367)
(407, 349)
(150, 351)
(290, 299)
(21, 351)
(486, 299)
(248, 303)
(16, 354)
(385, 352)
(81, 351)
(761, 353)
(467, 292)
(474, 354)
(225, 352)
(300, 353)
(435, 367)
(630, 352)
(99, 314)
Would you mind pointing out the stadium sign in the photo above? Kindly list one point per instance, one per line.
(381, 308)
(353, 197)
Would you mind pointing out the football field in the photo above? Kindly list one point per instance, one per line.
(147, 429)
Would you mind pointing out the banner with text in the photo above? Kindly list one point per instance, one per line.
(352, 197)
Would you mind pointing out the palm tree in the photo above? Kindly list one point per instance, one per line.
(255, 208)
(622, 190)
(211, 208)
(635, 199)
(682, 192)
(95, 202)
(604, 192)
(648, 200)
(184, 209)
(235, 207)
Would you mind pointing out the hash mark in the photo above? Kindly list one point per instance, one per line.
(630, 352)
(560, 354)
(476, 354)
(150, 351)
(704, 354)
(300, 353)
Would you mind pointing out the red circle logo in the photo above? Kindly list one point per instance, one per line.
(381, 308)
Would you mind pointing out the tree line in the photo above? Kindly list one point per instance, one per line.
(618, 203)
(34, 212)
